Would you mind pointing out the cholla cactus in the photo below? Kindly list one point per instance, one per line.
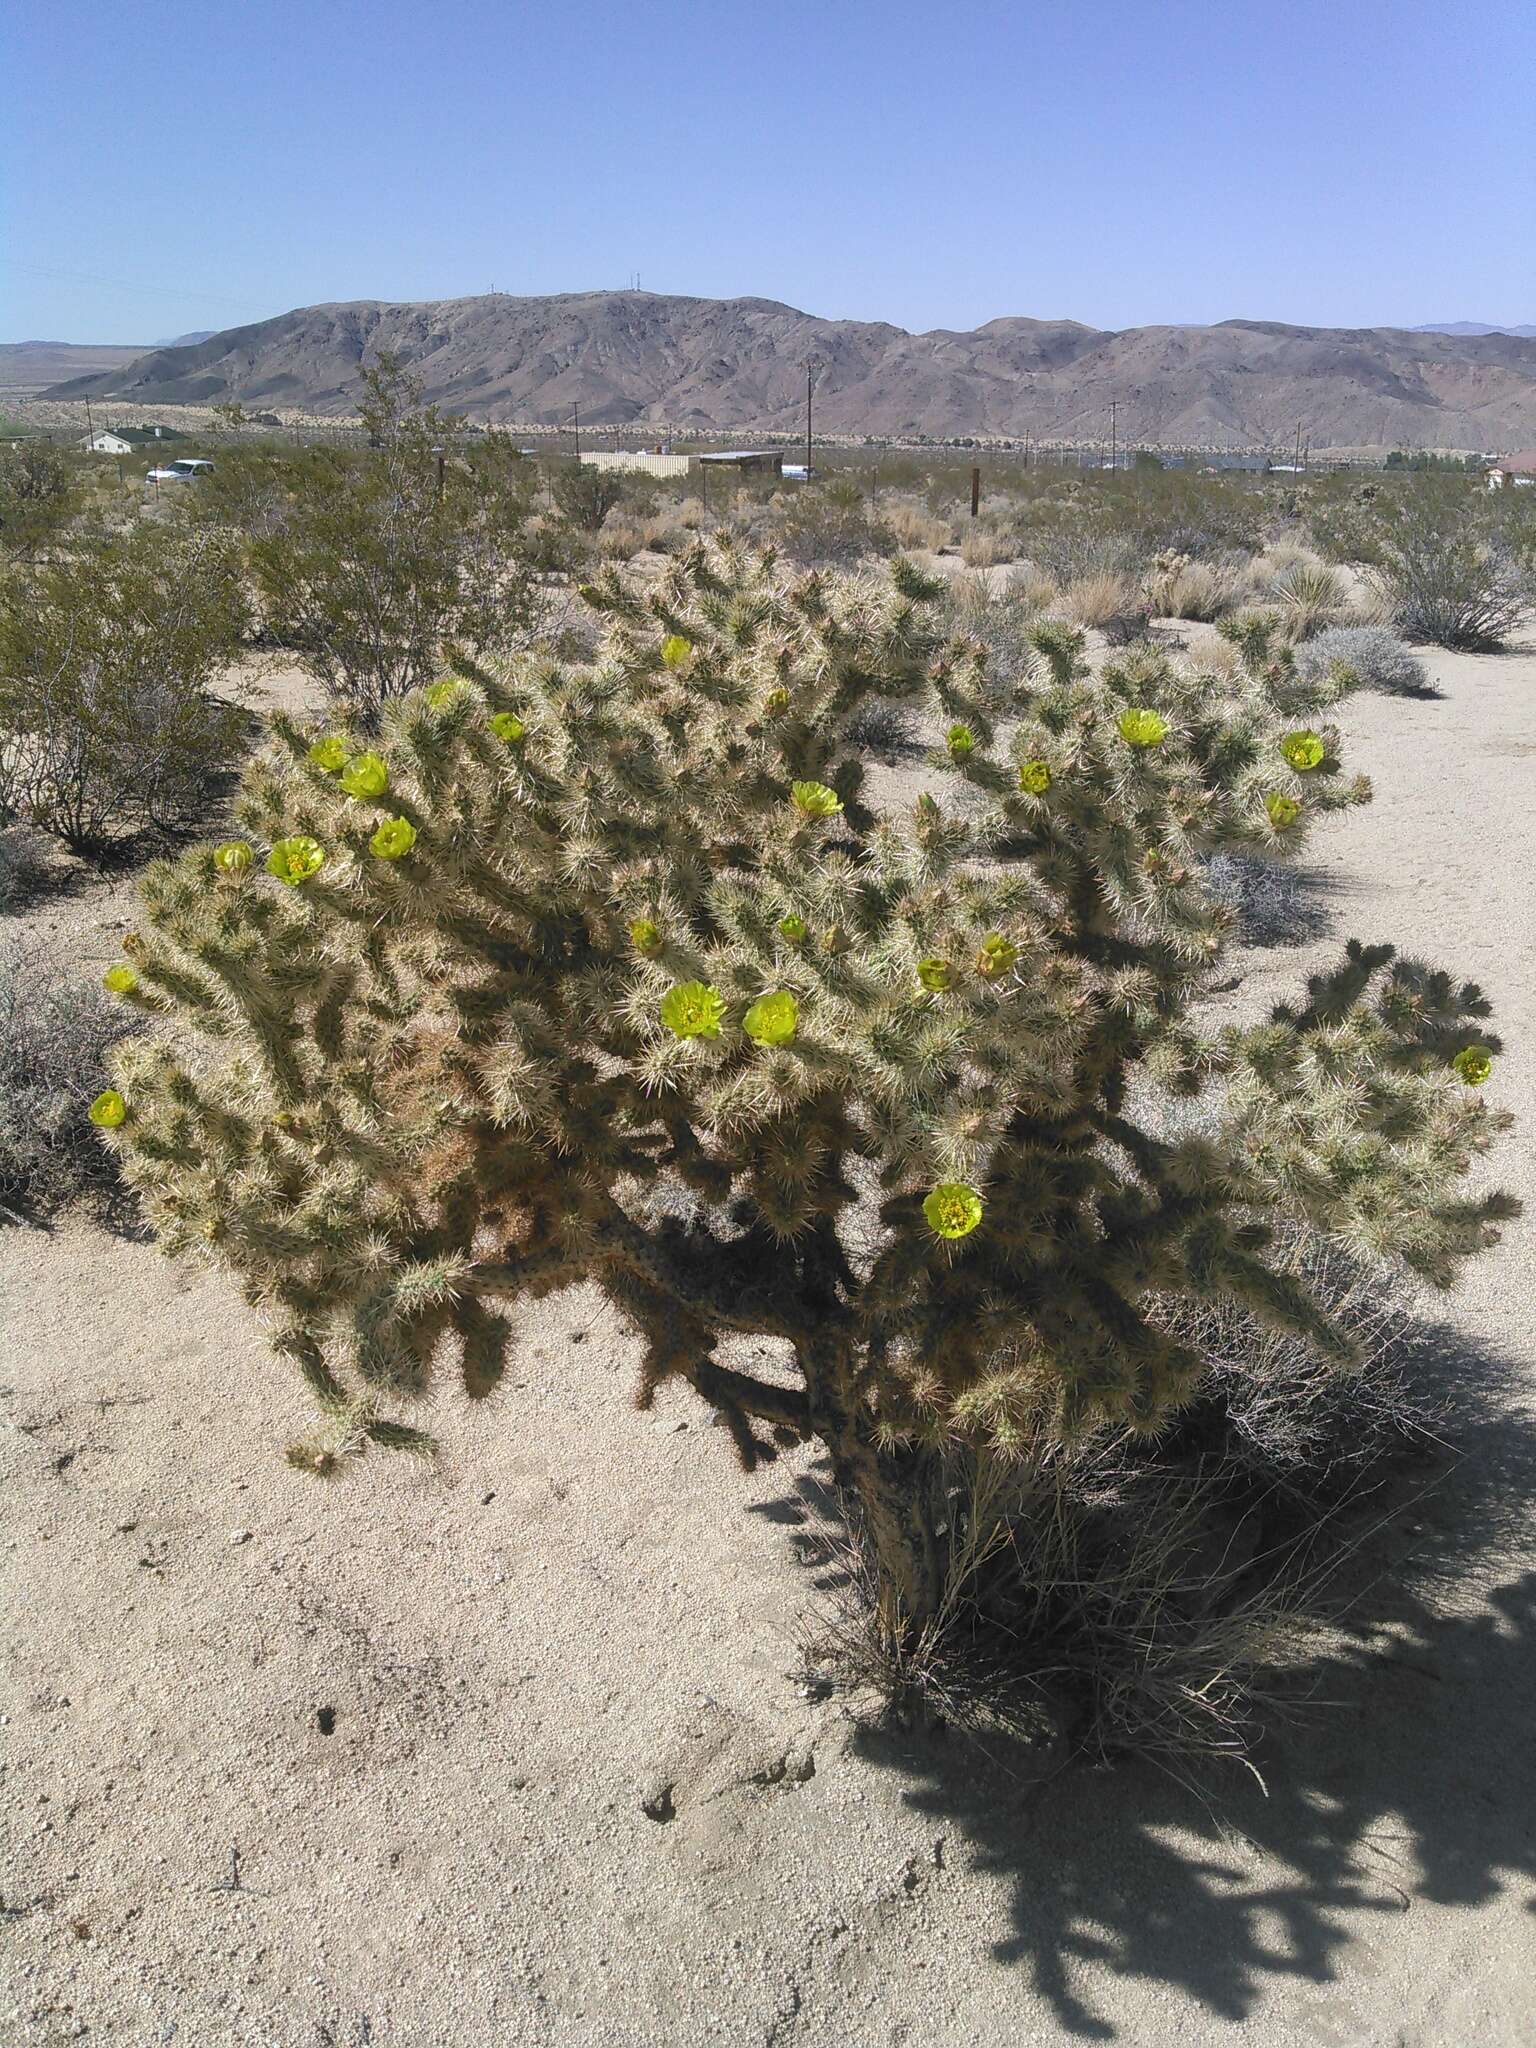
(615, 973)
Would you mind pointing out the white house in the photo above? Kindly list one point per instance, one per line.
(104, 442)
(1519, 468)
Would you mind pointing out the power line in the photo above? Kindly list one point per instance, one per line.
(123, 285)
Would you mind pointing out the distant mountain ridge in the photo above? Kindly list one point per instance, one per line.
(29, 367)
(1473, 327)
(646, 361)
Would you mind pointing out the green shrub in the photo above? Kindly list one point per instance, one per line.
(585, 495)
(369, 561)
(1448, 572)
(106, 656)
(608, 973)
(38, 494)
(830, 525)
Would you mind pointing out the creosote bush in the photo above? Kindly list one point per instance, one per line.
(608, 972)
(107, 655)
(1449, 573)
(366, 560)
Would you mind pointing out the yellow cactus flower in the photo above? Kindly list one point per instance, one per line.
(961, 742)
(1304, 750)
(772, 1019)
(507, 726)
(793, 928)
(997, 956)
(295, 859)
(394, 839)
(234, 857)
(108, 1110)
(675, 650)
(935, 975)
(776, 703)
(952, 1209)
(1035, 777)
(815, 799)
(1474, 1063)
(645, 936)
(693, 1009)
(443, 691)
(365, 776)
(1142, 728)
(120, 980)
(329, 753)
(1283, 810)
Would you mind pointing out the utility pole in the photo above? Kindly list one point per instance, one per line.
(576, 423)
(975, 488)
(1114, 434)
(809, 375)
(1298, 444)
(90, 425)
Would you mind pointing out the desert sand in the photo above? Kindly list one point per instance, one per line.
(514, 1751)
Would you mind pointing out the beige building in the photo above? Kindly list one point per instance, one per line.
(1519, 468)
(638, 461)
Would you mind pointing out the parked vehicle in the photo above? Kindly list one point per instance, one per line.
(184, 470)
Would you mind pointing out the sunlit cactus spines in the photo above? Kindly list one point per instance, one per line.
(670, 998)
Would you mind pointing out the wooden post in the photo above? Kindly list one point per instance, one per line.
(975, 488)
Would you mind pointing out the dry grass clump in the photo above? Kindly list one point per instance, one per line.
(1109, 602)
(1001, 620)
(24, 863)
(1134, 1594)
(662, 530)
(54, 1033)
(1033, 588)
(913, 527)
(1178, 587)
(984, 547)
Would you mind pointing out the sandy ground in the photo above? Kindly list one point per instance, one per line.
(514, 1752)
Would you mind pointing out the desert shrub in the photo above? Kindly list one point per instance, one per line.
(1110, 603)
(1129, 1593)
(38, 494)
(983, 547)
(1072, 552)
(912, 528)
(368, 561)
(1273, 902)
(1178, 587)
(1375, 656)
(607, 973)
(55, 1030)
(585, 495)
(1448, 572)
(23, 864)
(1002, 620)
(106, 656)
(831, 525)
(1307, 596)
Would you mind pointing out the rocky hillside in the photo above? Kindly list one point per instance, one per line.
(637, 357)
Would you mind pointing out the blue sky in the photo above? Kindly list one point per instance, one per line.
(183, 165)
